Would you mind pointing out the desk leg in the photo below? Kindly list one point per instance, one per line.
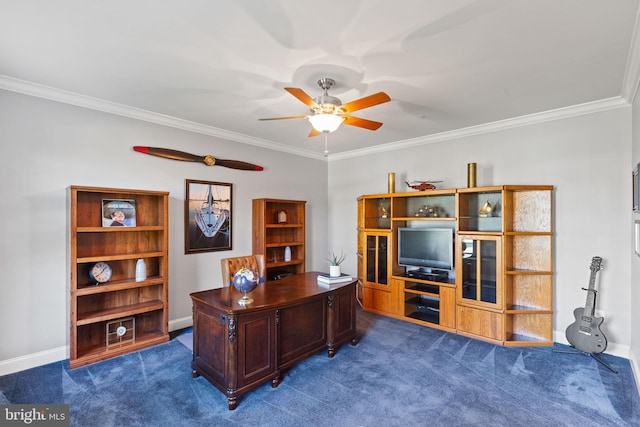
(275, 382)
(232, 402)
(331, 350)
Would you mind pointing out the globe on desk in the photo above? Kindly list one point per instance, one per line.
(245, 281)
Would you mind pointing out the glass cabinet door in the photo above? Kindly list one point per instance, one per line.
(479, 268)
(377, 258)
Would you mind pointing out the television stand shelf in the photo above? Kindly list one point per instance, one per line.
(427, 302)
(432, 277)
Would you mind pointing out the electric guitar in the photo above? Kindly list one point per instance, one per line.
(585, 334)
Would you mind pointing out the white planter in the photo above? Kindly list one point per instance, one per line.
(334, 270)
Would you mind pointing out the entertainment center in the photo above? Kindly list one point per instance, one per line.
(473, 261)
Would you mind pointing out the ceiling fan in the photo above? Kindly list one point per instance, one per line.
(328, 112)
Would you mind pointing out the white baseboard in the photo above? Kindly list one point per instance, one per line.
(612, 348)
(183, 322)
(636, 371)
(29, 361)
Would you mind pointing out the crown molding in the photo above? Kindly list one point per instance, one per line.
(41, 91)
(84, 101)
(545, 116)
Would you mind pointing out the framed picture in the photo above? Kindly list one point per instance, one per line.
(636, 188)
(207, 216)
(118, 213)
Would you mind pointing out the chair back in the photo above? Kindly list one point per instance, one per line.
(231, 265)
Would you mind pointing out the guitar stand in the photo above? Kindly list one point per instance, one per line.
(594, 355)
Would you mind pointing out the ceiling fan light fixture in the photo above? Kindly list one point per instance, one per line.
(327, 112)
(326, 122)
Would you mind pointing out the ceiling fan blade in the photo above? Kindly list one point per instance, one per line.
(302, 96)
(366, 102)
(314, 132)
(361, 123)
(284, 118)
(188, 157)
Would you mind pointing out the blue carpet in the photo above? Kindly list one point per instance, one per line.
(399, 374)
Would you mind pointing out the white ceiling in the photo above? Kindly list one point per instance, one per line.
(446, 64)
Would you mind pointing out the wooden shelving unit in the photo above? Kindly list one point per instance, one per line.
(141, 305)
(271, 237)
(528, 269)
(502, 291)
(382, 288)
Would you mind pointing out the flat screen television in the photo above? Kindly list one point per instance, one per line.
(427, 248)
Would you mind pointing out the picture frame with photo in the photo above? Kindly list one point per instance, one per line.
(207, 216)
(118, 213)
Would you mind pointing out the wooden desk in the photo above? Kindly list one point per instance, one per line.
(239, 348)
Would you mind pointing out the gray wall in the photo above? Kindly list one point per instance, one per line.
(47, 146)
(586, 158)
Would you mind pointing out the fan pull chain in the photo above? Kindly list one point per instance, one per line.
(326, 150)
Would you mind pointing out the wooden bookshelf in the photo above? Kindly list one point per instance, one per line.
(121, 300)
(278, 224)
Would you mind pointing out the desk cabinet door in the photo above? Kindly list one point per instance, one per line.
(302, 330)
(210, 344)
(256, 338)
(342, 316)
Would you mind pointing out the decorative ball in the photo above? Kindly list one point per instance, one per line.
(244, 280)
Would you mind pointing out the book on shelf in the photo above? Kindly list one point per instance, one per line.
(324, 278)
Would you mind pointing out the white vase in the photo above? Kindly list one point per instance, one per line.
(334, 270)
(141, 270)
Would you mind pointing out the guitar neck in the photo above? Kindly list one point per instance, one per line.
(590, 305)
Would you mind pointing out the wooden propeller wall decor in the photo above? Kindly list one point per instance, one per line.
(330, 108)
(187, 157)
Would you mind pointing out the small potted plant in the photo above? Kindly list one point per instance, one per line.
(334, 263)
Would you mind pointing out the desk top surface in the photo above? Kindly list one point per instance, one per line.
(291, 289)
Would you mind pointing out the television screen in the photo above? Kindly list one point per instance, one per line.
(427, 248)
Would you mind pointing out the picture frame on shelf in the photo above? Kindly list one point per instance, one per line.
(118, 213)
(207, 212)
